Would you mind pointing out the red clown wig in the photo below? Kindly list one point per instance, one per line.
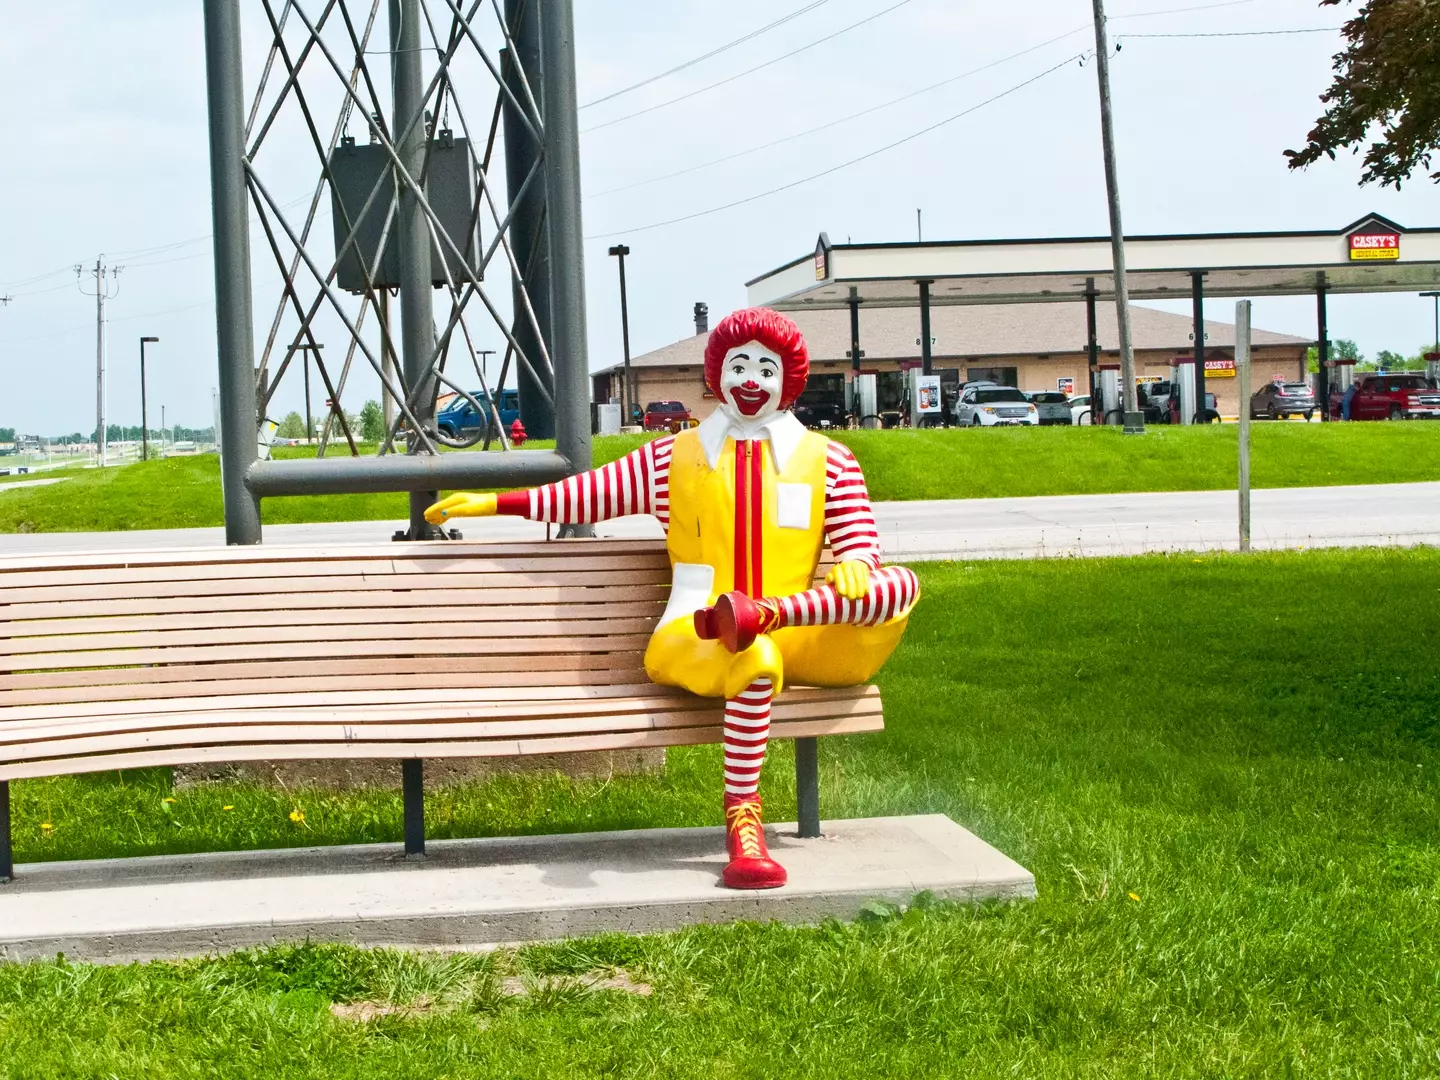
(769, 328)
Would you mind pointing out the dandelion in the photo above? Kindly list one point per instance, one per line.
(227, 808)
(297, 816)
(167, 800)
(1133, 897)
(46, 826)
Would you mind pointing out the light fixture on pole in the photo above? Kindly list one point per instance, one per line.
(627, 392)
(144, 419)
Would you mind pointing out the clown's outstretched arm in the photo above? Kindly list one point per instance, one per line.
(849, 525)
(638, 483)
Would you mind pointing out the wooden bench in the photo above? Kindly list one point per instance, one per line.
(398, 651)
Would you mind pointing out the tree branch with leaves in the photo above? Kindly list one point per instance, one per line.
(1386, 91)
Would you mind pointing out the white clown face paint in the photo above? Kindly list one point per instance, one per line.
(750, 381)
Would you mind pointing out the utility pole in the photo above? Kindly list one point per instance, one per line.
(144, 420)
(1134, 418)
(627, 395)
(102, 293)
(919, 232)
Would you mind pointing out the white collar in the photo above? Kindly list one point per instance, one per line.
(781, 428)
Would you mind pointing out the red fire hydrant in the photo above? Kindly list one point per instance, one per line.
(517, 433)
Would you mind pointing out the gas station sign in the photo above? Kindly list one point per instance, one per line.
(1220, 367)
(1377, 245)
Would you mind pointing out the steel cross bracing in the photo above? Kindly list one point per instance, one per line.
(337, 45)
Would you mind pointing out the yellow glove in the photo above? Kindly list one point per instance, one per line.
(462, 504)
(851, 579)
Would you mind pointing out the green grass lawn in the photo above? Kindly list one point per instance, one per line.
(1222, 770)
(184, 492)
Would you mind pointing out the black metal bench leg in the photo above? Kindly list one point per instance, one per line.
(807, 785)
(7, 857)
(412, 780)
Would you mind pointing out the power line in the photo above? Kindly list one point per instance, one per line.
(844, 164)
(748, 71)
(709, 55)
(1178, 11)
(1237, 33)
(844, 119)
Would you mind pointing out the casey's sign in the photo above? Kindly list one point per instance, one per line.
(1374, 245)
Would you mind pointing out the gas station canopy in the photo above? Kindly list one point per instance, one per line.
(1373, 254)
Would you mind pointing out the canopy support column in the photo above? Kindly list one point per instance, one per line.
(855, 353)
(1198, 295)
(1322, 350)
(925, 358)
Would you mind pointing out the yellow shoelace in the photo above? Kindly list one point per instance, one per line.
(744, 819)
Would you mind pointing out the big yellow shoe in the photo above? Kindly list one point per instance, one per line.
(750, 865)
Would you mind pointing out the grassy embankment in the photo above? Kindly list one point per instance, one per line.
(899, 465)
(1229, 803)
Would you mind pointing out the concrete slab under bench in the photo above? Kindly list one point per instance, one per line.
(469, 893)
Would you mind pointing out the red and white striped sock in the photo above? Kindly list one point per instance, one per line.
(892, 590)
(747, 729)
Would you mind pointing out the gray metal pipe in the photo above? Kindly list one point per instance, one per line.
(415, 473)
(529, 237)
(417, 309)
(229, 214)
(567, 249)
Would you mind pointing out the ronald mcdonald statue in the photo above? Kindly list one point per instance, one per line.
(748, 499)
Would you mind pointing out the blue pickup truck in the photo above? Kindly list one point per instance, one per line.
(459, 420)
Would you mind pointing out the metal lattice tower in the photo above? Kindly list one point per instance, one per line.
(415, 211)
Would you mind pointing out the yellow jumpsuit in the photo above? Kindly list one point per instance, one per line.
(745, 526)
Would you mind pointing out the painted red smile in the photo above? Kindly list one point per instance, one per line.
(748, 401)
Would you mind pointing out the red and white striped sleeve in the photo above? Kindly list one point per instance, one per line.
(849, 520)
(638, 483)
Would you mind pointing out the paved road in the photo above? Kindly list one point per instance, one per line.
(1047, 526)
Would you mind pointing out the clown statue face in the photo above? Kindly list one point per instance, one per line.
(750, 382)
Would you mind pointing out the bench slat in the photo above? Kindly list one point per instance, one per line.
(535, 665)
(495, 748)
(272, 585)
(339, 568)
(325, 650)
(382, 724)
(284, 553)
(160, 605)
(528, 681)
(340, 636)
(19, 722)
(478, 611)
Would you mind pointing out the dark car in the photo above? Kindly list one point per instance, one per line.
(458, 420)
(1277, 400)
(666, 416)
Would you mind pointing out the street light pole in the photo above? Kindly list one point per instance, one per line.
(627, 393)
(144, 420)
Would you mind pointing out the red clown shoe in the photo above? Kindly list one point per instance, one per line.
(736, 620)
(750, 864)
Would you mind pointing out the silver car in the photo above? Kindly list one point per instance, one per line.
(1277, 400)
(1051, 406)
(994, 406)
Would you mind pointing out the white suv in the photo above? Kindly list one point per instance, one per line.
(994, 406)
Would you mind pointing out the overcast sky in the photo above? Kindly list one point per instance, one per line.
(105, 125)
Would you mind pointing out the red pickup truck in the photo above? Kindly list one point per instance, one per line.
(666, 416)
(1395, 396)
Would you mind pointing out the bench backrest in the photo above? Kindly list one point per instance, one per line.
(237, 621)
